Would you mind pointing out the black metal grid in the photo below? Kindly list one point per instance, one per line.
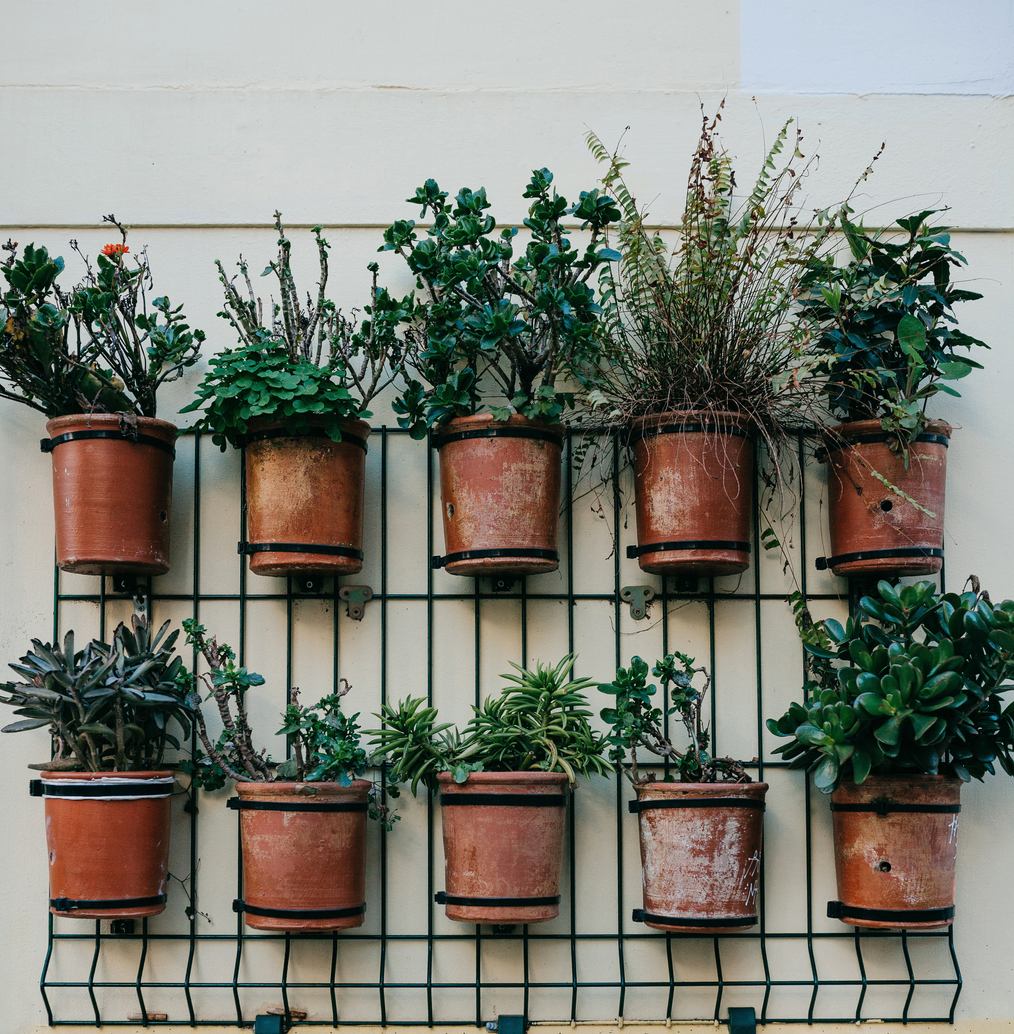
(893, 950)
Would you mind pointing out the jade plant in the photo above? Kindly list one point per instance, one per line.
(885, 335)
(109, 706)
(539, 722)
(912, 683)
(305, 367)
(492, 324)
(636, 721)
(100, 346)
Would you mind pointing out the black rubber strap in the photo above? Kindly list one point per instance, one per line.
(37, 788)
(688, 427)
(452, 899)
(298, 913)
(242, 804)
(843, 442)
(640, 916)
(887, 807)
(49, 444)
(438, 440)
(836, 910)
(249, 548)
(667, 547)
(506, 800)
(68, 905)
(486, 554)
(823, 563)
(695, 802)
(281, 432)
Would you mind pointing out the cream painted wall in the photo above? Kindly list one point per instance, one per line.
(194, 121)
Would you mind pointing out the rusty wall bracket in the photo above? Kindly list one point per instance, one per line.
(638, 596)
(357, 596)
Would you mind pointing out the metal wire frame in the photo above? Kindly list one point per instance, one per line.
(384, 983)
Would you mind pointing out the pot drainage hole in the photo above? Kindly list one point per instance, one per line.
(887, 506)
(884, 866)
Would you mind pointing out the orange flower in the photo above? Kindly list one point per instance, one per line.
(113, 250)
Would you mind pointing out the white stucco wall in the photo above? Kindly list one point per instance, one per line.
(194, 121)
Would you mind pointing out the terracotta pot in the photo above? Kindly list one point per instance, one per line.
(112, 495)
(304, 851)
(700, 855)
(308, 491)
(693, 482)
(895, 869)
(506, 852)
(870, 524)
(108, 854)
(499, 493)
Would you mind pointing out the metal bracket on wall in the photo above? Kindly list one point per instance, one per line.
(357, 596)
(503, 583)
(512, 1024)
(638, 596)
(742, 1021)
(685, 583)
(309, 584)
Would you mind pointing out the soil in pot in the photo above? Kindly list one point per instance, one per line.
(875, 531)
(107, 834)
(503, 846)
(895, 869)
(693, 480)
(499, 495)
(305, 491)
(700, 855)
(304, 854)
(112, 493)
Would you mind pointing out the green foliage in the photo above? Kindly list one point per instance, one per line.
(306, 367)
(917, 689)
(325, 742)
(885, 336)
(539, 722)
(107, 706)
(492, 323)
(637, 721)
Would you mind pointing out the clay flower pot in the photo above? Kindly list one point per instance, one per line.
(304, 500)
(500, 495)
(700, 855)
(895, 850)
(112, 492)
(503, 846)
(874, 530)
(693, 482)
(304, 854)
(107, 834)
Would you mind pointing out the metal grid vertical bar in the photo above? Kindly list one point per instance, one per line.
(383, 700)
(140, 972)
(617, 613)
(571, 824)
(429, 700)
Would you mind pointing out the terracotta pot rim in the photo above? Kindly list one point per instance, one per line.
(482, 419)
(900, 779)
(854, 428)
(152, 774)
(354, 424)
(534, 778)
(726, 415)
(705, 789)
(301, 790)
(149, 423)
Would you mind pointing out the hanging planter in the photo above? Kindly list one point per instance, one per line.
(305, 499)
(503, 846)
(500, 495)
(895, 851)
(304, 854)
(874, 530)
(700, 855)
(107, 835)
(693, 476)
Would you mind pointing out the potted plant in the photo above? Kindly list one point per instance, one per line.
(701, 825)
(885, 341)
(503, 784)
(897, 713)
(302, 822)
(492, 323)
(294, 396)
(108, 708)
(93, 359)
(701, 352)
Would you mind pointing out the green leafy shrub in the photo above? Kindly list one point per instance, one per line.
(491, 323)
(916, 689)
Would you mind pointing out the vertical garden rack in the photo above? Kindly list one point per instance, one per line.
(851, 949)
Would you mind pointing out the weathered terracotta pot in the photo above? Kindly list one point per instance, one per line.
(502, 852)
(874, 530)
(108, 845)
(112, 494)
(700, 855)
(307, 491)
(895, 869)
(693, 483)
(304, 852)
(500, 495)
